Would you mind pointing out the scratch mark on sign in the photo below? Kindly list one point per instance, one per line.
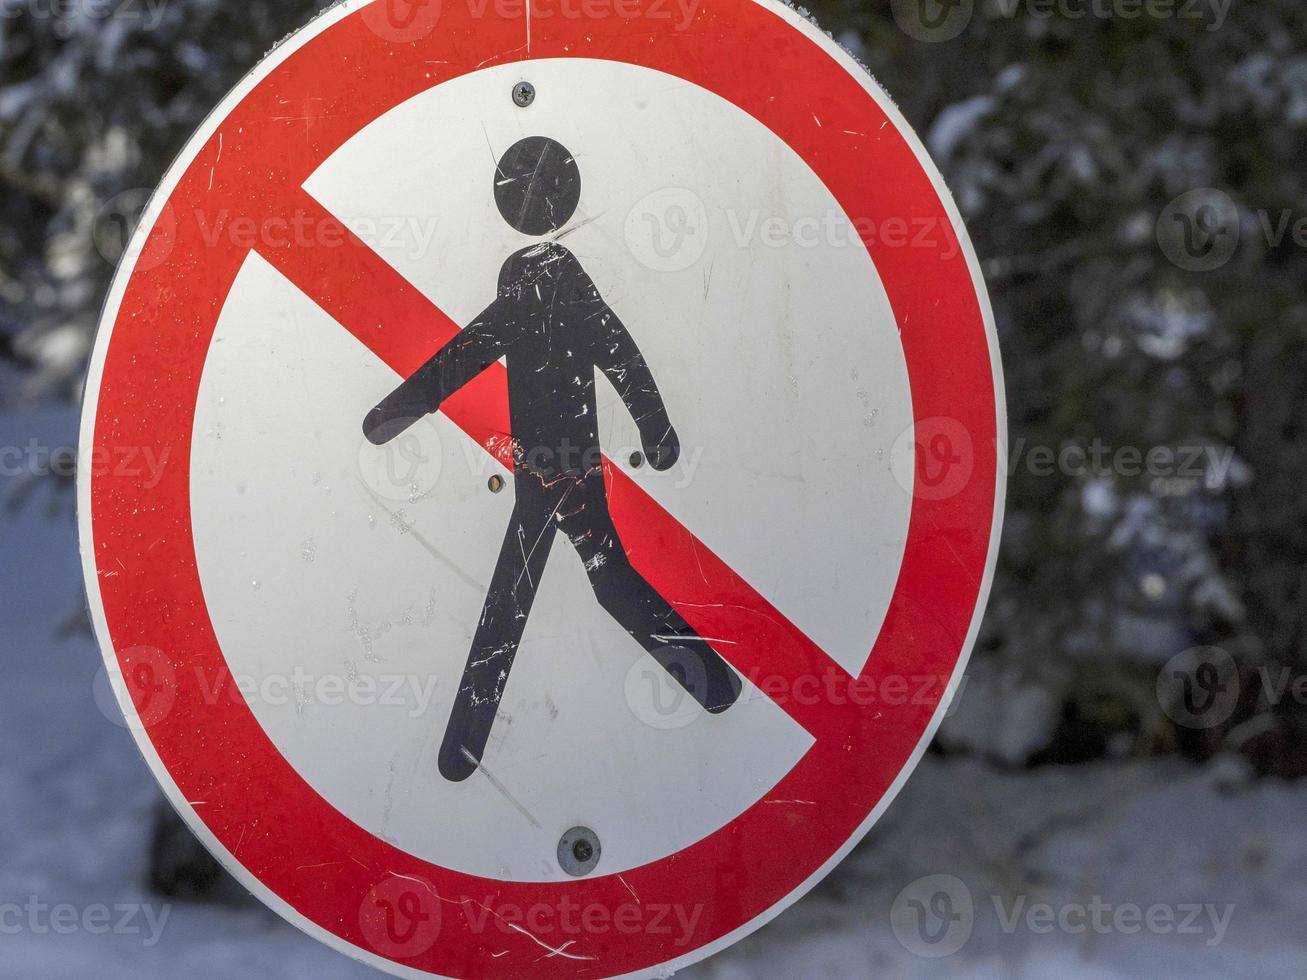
(325, 864)
(629, 889)
(416, 881)
(503, 791)
(216, 161)
(426, 545)
(560, 951)
(579, 224)
(673, 638)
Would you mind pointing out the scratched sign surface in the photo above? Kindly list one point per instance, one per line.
(584, 478)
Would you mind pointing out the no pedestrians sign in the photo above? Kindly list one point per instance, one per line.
(583, 484)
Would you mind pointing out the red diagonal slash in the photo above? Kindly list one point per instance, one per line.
(366, 296)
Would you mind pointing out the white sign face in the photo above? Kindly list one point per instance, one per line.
(357, 561)
(590, 480)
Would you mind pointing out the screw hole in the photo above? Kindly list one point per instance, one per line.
(524, 93)
(496, 483)
(637, 460)
(578, 851)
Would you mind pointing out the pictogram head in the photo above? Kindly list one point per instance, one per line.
(537, 185)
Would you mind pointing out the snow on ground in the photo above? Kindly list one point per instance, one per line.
(1216, 863)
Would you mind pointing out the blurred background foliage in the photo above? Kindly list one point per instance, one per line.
(1064, 140)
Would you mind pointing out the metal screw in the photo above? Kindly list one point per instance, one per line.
(524, 93)
(578, 851)
(637, 460)
(496, 483)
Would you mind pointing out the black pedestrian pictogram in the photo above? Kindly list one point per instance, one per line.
(553, 329)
